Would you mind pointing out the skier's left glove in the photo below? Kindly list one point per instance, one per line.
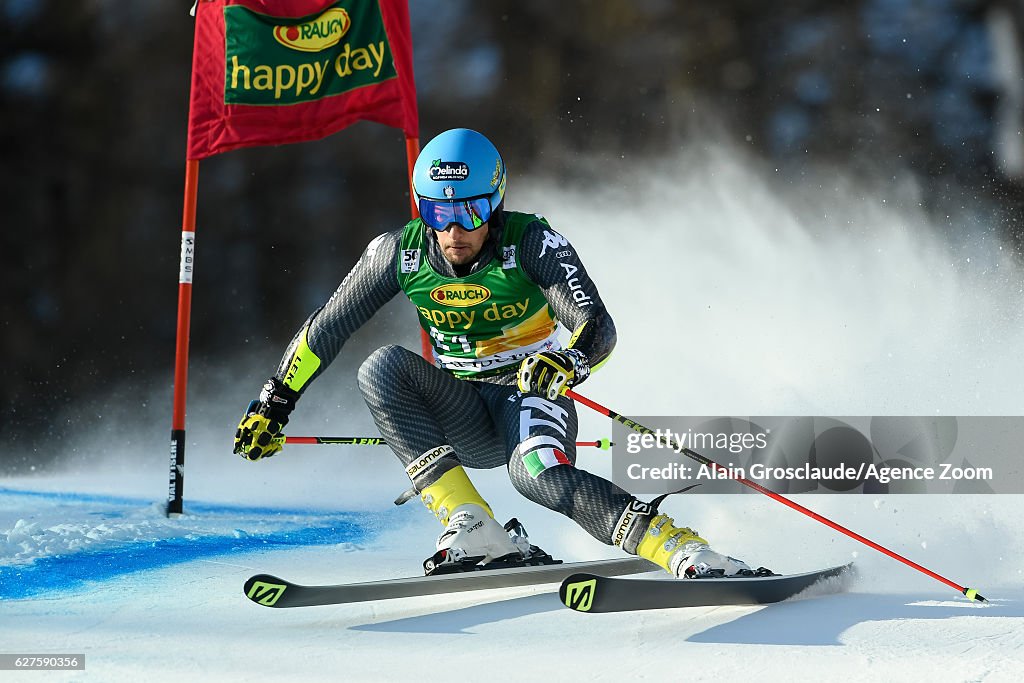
(549, 373)
(260, 433)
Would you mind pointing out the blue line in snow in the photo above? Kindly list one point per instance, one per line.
(76, 570)
(190, 506)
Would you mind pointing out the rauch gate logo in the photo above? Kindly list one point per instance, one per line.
(280, 61)
(317, 34)
(459, 295)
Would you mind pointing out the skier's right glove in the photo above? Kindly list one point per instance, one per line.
(260, 433)
(550, 373)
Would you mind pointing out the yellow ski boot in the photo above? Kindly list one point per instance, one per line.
(471, 534)
(684, 554)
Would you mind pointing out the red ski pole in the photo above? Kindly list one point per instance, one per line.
(603, 444)
(693, 455)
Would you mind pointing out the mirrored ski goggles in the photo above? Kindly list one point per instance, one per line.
(470, 214)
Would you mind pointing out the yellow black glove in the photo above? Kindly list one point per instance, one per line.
(549, 373)
(260, 433)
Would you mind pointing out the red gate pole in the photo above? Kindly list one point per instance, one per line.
(185, 269)
(412, 150)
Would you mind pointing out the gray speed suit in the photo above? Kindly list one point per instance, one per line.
(428, 414)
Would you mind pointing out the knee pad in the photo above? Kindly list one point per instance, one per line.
(540, 453)
(531, 467)
(383, 365)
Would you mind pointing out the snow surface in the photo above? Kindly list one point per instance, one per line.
(743, 301)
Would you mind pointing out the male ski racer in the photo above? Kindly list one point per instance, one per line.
(490, 287)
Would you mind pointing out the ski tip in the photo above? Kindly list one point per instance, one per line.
(577, 591)
(973, 594)
(264, 589)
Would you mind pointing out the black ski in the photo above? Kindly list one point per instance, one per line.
(271, 591)
(587, 592)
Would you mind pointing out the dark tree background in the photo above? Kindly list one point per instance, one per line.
(94, 99)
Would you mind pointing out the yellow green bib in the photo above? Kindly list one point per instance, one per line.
(485, 322)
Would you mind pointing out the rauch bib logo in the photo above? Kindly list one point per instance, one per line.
(460, 295)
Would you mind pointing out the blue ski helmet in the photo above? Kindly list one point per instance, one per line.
(459, 177)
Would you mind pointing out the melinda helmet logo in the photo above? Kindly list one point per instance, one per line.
(459, 295)
(448, 170)
(316, 34)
